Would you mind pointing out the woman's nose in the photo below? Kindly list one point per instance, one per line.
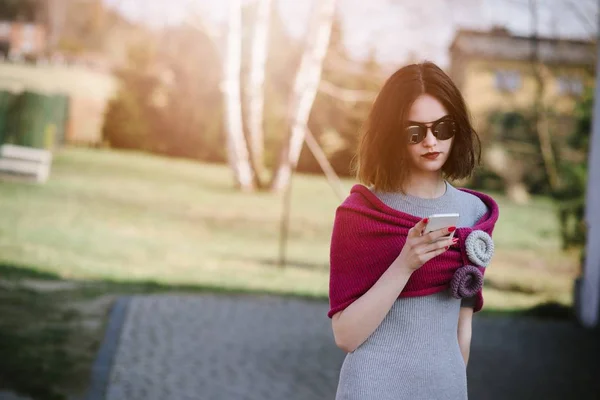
(430, 140)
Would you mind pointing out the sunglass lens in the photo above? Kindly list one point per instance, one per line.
(444, 130)
(415, 134)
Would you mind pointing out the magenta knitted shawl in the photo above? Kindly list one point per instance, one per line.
(368, 236)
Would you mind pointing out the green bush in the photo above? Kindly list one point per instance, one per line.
(127, 121)
(570, 197)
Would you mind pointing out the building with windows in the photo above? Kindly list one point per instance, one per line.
(20, 39)
(494, 71)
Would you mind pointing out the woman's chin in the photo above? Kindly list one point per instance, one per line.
(430, 166)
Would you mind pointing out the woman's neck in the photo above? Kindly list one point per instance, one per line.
(426, 186)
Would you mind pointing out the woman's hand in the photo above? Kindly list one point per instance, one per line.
(420, 248)
(352, 326)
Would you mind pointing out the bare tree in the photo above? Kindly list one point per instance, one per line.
(321, 157)
(347, 95)
(237, 149)
(305, 90)
(256, 96)
(539, 108)
(584, 16)
(510, 169)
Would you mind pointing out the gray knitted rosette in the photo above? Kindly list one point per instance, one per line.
(480, 248)
(466, 282)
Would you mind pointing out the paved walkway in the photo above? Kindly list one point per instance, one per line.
(260, 348)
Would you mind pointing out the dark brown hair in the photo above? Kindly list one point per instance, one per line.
(382, 157)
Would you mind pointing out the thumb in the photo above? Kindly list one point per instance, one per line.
(417, 230)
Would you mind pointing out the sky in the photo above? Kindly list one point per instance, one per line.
(394, 28)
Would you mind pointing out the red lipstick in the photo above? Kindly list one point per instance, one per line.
(431, 156)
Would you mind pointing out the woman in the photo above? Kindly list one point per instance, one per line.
(401, 301)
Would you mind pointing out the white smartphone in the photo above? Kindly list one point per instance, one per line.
(440, 221)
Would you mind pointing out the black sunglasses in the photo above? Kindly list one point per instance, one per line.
(443, 129)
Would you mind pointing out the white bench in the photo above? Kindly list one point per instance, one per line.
(25, 162)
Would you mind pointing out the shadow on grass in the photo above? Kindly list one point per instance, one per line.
(105, 285)
(549, 310)
(509, 287)
(37, 332)
(13, 271)
(275, 262)
(43, 348)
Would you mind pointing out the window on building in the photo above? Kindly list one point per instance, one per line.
(570, 85)
(508, 81)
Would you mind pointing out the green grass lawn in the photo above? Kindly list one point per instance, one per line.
(121, 216)
(109, 223)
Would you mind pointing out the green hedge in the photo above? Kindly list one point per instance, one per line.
(33, 119)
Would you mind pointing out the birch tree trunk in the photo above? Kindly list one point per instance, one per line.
(540, 114)
(237, 149)
(256, 92)
(305, 90)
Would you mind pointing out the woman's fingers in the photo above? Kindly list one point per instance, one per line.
(438, 252)
(433, 236)
(432, 254)
(417, 230)
(437, 248)
(422, 248)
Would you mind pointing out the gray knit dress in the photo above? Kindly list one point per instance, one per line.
(414, 353)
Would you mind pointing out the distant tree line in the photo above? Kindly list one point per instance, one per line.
(170, 100)
(22, 10)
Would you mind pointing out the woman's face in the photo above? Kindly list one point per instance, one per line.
(431, 153)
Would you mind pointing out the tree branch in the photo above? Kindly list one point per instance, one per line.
(319, 154)
(582, 16)
(337, 63)
(195, 20)
(349, 95)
